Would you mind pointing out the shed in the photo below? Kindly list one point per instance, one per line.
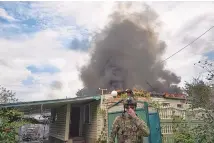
(72, 119)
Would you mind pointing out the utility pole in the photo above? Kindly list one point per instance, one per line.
(102, 90)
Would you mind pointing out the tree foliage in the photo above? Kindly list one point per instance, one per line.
(7, 96)
(10, 119)
(182, 130)
(208, 66)
(200, 96)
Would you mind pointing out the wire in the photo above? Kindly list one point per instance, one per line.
(172, 54)
(183, 48)
(188, 44)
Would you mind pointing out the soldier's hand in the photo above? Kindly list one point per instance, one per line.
(131, 112)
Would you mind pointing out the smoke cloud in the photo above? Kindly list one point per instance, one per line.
(56, 85)
(55, 89)
(127, 54)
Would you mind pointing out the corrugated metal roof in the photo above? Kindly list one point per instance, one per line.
(47, 104)
(17, 104)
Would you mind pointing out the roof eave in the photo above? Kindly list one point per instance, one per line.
(43, 102)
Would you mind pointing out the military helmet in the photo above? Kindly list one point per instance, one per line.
(130, 101)
(129, 91)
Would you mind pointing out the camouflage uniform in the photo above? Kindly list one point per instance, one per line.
(128, 129)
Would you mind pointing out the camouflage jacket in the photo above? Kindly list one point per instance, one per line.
(128, 130)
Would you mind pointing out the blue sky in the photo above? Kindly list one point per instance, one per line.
(43, 69)
(210, 55)
(23, 23)
(42, 42)
(26, 18)
(18, 19)
(38, 38)
(28, 81)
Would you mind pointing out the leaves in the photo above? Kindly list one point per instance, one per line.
(208, 67)
(103, 135)
(10, 119)
(7, 96)
(200, 95)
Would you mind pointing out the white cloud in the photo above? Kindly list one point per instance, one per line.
(41, 48)
(45, 47)
(5, 15)
(91, 15)
(179, 21)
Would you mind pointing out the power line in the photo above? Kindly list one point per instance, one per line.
(183, 49)
(188, 44)
(169, 56)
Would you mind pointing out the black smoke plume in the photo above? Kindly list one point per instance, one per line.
(127, 54)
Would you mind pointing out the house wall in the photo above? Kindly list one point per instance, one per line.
(90, 130)
(172, 102)
(58, 130)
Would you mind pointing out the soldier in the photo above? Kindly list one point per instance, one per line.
(129, 92)
(128, 127)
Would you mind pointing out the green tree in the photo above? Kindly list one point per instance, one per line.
(204, 132)
(200, 95)
(182, 130)
(10, 119)
(7, 96)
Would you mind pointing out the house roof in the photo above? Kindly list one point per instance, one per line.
(33, 107)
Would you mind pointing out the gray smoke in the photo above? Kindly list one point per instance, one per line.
(127, 53)
(57, 85)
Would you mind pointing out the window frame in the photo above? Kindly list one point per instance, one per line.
(166, 105)
(179, 105)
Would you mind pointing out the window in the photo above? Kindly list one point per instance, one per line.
(183, 101)
(87, 114)
(54, 115)
(166, 104)
(179, 105)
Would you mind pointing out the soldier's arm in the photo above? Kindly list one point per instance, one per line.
(115, 128)
(142, 126)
